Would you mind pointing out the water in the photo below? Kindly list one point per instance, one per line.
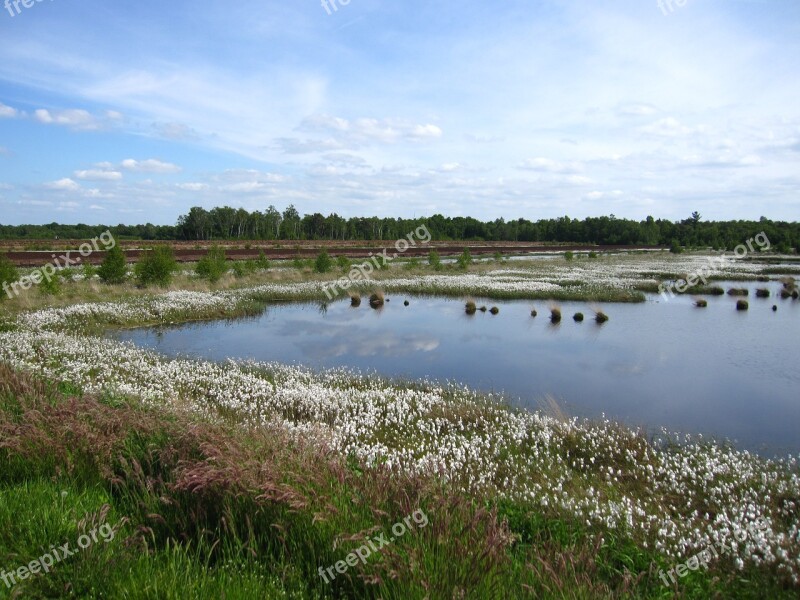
(727, 374)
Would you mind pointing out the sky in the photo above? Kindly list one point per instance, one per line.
(133, 112)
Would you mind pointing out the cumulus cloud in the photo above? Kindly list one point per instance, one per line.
(369, 131)
(66, 185)
(98, 175)
(547, 165)
(8, 112)
(151, 165)
(76, 118)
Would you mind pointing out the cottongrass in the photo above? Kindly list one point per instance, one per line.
(674, 497)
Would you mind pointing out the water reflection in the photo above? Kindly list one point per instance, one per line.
(713, 370)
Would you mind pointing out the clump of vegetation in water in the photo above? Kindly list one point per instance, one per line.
(406, 303)
(569, 255)
(533, 312)
(599, 315)
(715, 290)
(355, 299)
(762, 293)
(738, 292)
(376, 300)
(471, 307)
(578, 317)
(742, 305)
(482, 309)
(555, 314)
(494, 310)
(701, 303)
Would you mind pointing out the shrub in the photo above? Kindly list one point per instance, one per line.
(568, 255)
(498, 257)
(114, 268)
(470, 307)
(592, 254)
(8, 274)
(50, 286)
(323, 264)
(675, 247)
(262, 262)
(600, 317)
(156, 267)
(434, 260)
(412, 264)
(465, 260)
(555, 314)
(240, 269)
(343, 263)
(89, 271)
(212, 266)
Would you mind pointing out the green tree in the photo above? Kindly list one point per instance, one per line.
(434, 260)
(465, 260)
(212, 266)
(156, 267)
(114, 268)
(323, 264)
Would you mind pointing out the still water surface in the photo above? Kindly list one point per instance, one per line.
(728, 374)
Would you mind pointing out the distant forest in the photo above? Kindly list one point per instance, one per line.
(226, 223)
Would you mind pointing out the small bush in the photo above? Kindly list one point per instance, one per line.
(262, 262)
(555, 314)
(412, 264)
(675, 247)
(470, 307)
(592, 254)
(343, 263)
(239, 269)
(323, 264)
(114, 268)
(569, 255)
(465, 260)
(213, 265)
(434, 260)
(156, 267)
(89, 271)
(50, 286)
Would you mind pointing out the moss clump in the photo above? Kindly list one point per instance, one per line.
(742, 305)
(578, 317)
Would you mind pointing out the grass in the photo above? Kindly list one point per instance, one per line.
(202, 510)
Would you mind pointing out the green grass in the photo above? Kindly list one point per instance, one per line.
(204, 510)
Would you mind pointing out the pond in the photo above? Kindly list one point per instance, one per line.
(716, 371)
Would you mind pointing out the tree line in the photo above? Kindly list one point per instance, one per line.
(227, 223)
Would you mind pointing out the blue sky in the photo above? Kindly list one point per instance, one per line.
(133, 112)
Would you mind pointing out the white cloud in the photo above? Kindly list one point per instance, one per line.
(368, 131)
(65, 184)
(8, 112)
(73, 118)
(98, 175)
(668, 127)
(151, 165)
(547, 165)
(193, 187)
